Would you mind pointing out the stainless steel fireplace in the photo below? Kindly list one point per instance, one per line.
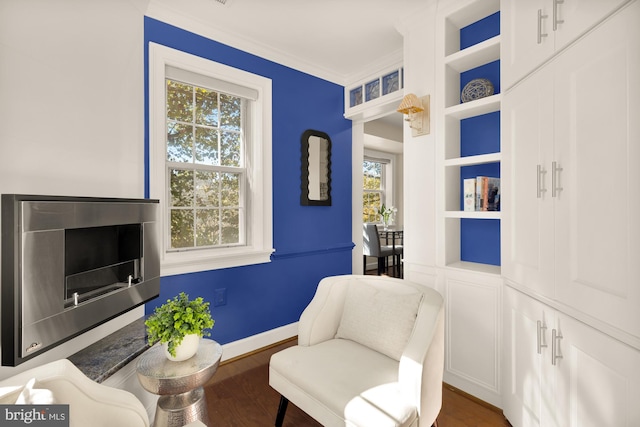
(70, 264)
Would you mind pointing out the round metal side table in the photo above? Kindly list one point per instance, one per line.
(179, 384)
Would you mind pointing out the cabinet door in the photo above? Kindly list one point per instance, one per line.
(528, 380)
(527, 205)
(522, 49)
(473, 345)
(579, 16)
(530, 36)
(598, 381)
(597, 136)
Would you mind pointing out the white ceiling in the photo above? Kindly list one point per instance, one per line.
(337, 40)
(342, 41)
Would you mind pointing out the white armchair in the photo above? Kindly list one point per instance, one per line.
(90, 403)
(370, 353)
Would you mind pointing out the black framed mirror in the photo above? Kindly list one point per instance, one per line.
(316, 169)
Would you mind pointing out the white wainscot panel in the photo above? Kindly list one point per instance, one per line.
(473, 330)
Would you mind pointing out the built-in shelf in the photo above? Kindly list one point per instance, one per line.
(473, 214)
(473, 160)
(471, 57)
(471, 237)
(478, 107)
(475, 267)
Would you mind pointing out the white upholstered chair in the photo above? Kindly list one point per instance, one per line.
(370, 353)
(90, 403)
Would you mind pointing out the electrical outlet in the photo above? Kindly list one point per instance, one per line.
(219, 297)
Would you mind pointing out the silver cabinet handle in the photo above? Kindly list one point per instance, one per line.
(555, 346)
(540, 18)
(556, 21)
(540, 181)
(555, 179)
(542, 342)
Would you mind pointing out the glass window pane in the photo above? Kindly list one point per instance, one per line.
(230, 189)
(231, 108)
(230, 226)
(372, 90)
(355, 97)
(372, 172)
(207, 189)
(370, 206)
(204, 129)
(181, 185)
(181, 228)
(179, 101)
(179, 142)
(207, 225)
(206, 107)
(207, 146)
(390, 82)
(230, 148)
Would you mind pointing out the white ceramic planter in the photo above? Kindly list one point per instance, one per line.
(187, 348)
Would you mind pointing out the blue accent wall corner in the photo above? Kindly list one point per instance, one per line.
(311, 242)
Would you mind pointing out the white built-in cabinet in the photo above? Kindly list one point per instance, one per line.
(473, 290)
(559, 372)
(539, 28)
(527, 130)
(473, 319)
(572, 157)
(571, 235)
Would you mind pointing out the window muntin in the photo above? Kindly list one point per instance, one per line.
(255, 209)
(205, 166)
(373, 189)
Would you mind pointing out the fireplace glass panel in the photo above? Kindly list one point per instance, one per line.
(99, 260)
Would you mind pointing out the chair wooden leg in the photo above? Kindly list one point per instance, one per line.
(381, 261)
(282, 409)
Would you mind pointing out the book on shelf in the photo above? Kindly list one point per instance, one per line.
(469, 195)
(479, 191)
(487, 193)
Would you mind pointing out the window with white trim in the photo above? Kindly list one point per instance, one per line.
(377, 184)
(210, 162)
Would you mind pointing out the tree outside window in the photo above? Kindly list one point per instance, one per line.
(373, 189)
(209, 162)
(205, 165)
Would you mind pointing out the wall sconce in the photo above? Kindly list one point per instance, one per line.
(417, 111)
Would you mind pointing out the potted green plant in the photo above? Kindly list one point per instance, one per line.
(179, 324)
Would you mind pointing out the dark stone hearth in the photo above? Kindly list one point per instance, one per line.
(104, 358)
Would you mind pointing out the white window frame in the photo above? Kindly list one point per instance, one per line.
(387, 189)
(259, 226)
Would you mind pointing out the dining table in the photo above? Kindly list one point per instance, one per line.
(393, 236)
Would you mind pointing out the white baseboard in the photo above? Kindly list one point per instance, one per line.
(255, 342)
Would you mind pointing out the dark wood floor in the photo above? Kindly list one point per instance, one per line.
(239, 396)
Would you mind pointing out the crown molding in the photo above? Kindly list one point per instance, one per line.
(175, 17)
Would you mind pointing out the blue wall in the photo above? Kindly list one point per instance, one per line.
(480, 238)
(311, 242)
